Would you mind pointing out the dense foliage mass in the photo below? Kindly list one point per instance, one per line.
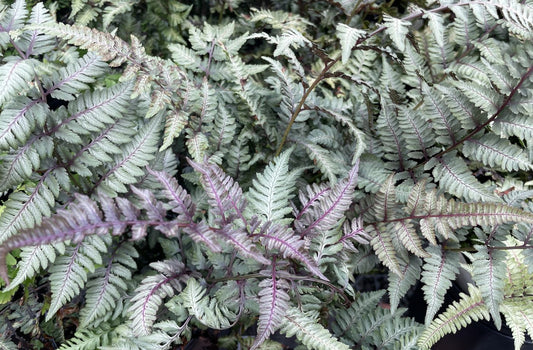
(231, 166)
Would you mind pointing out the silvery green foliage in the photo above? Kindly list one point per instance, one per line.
(163, 172)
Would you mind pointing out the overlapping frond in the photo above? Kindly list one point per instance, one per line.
(328, 212)
(110, 47)
(107, 285)
(225, 195)
(470, 308)
(455, 177)
(284, 240)
(271, 191)
(67, 82)
(497, 152)
(25, 209)
(439, 270)
(69, 272)
(151, 292)
(93, 111)
(33, 259)
(128, 166)
(15, 76)
(400, 284)
(303, 325)
(273, 303)
(205, 309)
(488, 272)
(19, 117)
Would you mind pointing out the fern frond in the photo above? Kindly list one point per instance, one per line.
(225, 128)
(276, 237)
(154, 211)
(69, 81)
(464, 28)
(291, 38)
(206, 310)
(15, 75)
(25, 209)
(454, 176)
(514, 125)
(443, 122)
(486, 99)
(180, 201)
(416, 133)
(409, 238)
(273, 303)
(185, 57)
(326, 246)
(19, 117)
(518, 16)
(85, 339)
(468, 115)
(225, 195)
(348, 37)
(382, 244)
(240, 239)
(103, 147)
(381, 328)
(175, 122)
(372, 173)
(270, 193)
(400, 334)
(345, 318)
(68, 274)
(32, 42)
(197, 145)
(489, 275)
(93, 111)
(391, 136)
(384, 204)
(108, 46)
(18, 165)
(400, 284)
(328, 162)
(33, 259)
(201, 232)
(81, 218)
(128, 166)
(6, 344)
(14, 17)
(329, 211)
(107, 284)
(307, 330)
(448, 215)
(459, 314)
(151, 292)
(397, 29)
(291, 93)
(115, 9)
(438, 272)
(519, 317)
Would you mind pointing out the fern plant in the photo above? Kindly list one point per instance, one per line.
(238, 168)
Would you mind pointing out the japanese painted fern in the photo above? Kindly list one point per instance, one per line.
(237, 172)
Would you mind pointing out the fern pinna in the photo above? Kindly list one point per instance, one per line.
(236, 172)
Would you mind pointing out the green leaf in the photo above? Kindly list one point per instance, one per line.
(270, 193)
(15, 75)
(307, 330)
(488, 272)
(348, 37)
(438, 272)
(461, 313)
(397, 29)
